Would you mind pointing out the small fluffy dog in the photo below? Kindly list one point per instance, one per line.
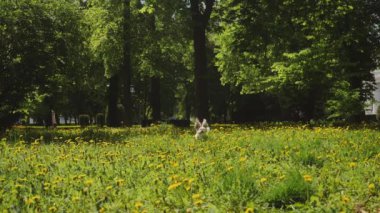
(201, 129)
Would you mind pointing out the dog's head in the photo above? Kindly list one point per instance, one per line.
(201, 128)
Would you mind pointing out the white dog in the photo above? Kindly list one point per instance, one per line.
(201, 129)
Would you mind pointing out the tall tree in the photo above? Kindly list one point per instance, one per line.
(163, 56)
(200, 13)
(41, 45)
(305, 52)
(113, 118)
(106, 22)
(127, 64)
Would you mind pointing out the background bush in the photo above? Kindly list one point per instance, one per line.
(84, 120)
(100, 119)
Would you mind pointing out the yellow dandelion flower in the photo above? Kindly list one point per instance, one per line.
(40, 173)
(17, 185)
(198, 202)
(352, 165)
(88, 182)
(189, 180)
(242, 159)
(53, 209)
(28, 201)
(249, 210)
(138, 204)
(174, 177)
(196, 196)
(22, 179)
(308, 178)
(120, 182)
(174, 185)
(371, 187)
(345, 199)
(36, 197)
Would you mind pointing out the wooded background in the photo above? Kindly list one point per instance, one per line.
(225, 60)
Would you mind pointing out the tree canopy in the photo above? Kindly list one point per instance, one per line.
(231, 60)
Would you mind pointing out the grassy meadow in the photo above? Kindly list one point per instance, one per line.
(164, 169)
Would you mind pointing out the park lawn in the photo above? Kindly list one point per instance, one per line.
(162, 168)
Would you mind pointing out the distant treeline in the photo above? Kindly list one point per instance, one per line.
(228, 61)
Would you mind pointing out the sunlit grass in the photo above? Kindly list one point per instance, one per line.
(161, 168)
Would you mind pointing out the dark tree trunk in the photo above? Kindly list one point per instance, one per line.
(201, 83)
(155, 98)
(309, 108)
(127, 65)
(155, 84)
(199, 23)
(188, 105)
(113, 93)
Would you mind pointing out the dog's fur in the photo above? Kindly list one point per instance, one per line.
(201, 129)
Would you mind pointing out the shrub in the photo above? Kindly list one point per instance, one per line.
(294, 189)
(344, 103)
(147, 122)
(179, 122)
(84, 120)
(100, 119)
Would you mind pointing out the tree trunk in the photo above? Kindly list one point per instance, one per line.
(199, 22)
(188, 99)
(113, 93)
(155, 98)
(127, 65)
(201, 84)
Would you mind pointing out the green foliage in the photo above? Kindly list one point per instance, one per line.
(313, 59)
(309, 158)
(100, 119)
(344, 102)
(106, 34)
(292, 190)
(239, 168)
(45, 62)
(236, 188)
(298, 50)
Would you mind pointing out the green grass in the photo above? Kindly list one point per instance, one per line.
(266, 168)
